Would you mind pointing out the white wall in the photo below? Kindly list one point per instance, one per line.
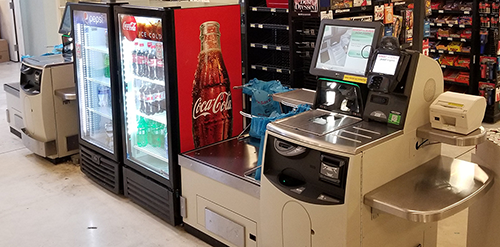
(40, 26)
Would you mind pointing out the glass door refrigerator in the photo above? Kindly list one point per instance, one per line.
(97, 87)
(179, 62)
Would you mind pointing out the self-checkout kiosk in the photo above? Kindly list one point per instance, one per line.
(328, 174)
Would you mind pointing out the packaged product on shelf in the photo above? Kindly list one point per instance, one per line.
(495, 7)
(428, 9)
(465, 20)
(358, 3)
(463, 77)
(450, 75)
(408, 18)
(388, 13)
(455, 46)
(455, 33)
(442, 45)
(337, 4)
(452, 20)
(445, 33)
(465, 6)
(435, 5)
(348, 3)
(466, 34)
(466, 49)
(397, 24)
(447, 60)
(462, 62)
(378, 12)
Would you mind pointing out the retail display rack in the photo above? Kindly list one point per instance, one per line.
(280, 36)
(464, 39)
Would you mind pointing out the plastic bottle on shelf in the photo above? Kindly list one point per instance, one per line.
(103, 95)
(161, 135)
(155, 102)
(134, 58)
(148, 51)
(141, 61)
(142, 135)
(160, 70)
(149, 94)
(106, 66)
(165, 141)
(151, 125)
(152, 63)
(157, 135)
(142, 98)
(163, 102)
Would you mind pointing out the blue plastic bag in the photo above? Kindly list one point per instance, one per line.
(262, 100)
(258, 130)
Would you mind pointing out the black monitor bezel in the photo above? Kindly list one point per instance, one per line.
(339, 75)
(66, 14)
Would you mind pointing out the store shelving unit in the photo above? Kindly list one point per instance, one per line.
(480, 82)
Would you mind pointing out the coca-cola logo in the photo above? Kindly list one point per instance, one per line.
(129, 27)
(204, 108)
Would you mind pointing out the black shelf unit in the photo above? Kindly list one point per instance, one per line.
(478, 85)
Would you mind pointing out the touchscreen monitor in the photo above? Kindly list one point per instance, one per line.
(344, 47)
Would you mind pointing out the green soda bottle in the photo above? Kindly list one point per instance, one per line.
(106, 66)
(142, 135)
(151, 129)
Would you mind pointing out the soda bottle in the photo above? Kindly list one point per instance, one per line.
(142, 98)
(152, 63)
(103, 96)
(149, 94)
(157, 135)
(163, 102)
(211, 109)
(106, 66)
(160, 71)
(134, 58)
(159, 96)
(142, 135)
(148, 51)
(161, 135)
(141, 60)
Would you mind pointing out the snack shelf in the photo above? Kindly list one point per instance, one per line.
(449, 52)
(454, 67)
(432, 24)
(270, 68)
(270, 46)
(449, 82)
(451, 12)
(451, 39)
(267, 9)
(269, 26)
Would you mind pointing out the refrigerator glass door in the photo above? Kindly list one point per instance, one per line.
(141, 50)
(93, 78)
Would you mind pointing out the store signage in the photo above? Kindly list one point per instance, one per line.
(129, 27)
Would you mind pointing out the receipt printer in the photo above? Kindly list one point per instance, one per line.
(456, 112)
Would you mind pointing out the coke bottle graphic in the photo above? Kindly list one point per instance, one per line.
(152, 63)
(211, 109)
(134, 58)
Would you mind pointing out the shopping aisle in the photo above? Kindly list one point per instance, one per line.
(42, 204)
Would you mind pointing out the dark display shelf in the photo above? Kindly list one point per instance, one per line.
(456, 83)
(451, 12)
(449, 52)
(270, 68)
(432, 24)
(267, 9)
(450, 39)
(454, 67)
(270, 46)
(269, 26)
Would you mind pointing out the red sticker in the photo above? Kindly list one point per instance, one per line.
(129, 27)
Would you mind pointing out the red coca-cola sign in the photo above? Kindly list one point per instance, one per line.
(129, 27)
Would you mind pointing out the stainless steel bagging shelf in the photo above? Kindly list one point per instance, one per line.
(433, 191)
(476, 137)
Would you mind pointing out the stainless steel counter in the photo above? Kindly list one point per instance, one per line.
(295, 97)
(432, 191)
(227, 162)
(476, 137)
(351, 138)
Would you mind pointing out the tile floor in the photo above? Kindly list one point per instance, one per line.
(42, 204)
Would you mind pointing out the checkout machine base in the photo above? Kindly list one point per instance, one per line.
(49, 106)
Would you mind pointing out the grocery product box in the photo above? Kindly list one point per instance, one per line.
(4, 51)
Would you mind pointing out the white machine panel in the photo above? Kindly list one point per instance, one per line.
(224, 227)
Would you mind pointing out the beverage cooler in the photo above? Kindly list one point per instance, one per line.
(97, 91)
(179, 62)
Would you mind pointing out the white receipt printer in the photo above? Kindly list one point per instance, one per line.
(456, 112)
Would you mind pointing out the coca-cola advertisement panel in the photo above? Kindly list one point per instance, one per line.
(144, 98)
(208, 45)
